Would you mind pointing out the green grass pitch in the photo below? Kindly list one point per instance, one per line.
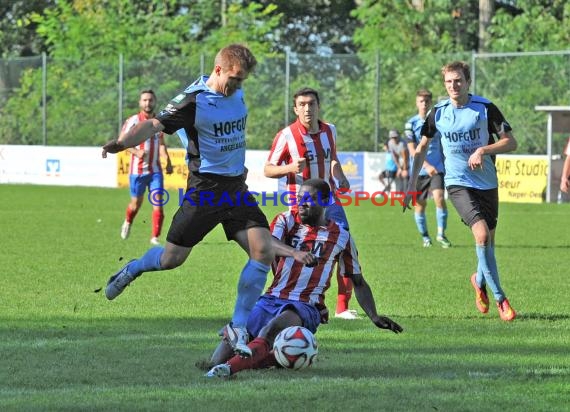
(63, 346)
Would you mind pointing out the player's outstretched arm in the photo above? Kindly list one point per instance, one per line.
(133, 137)
(367, 303)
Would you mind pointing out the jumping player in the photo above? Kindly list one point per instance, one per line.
(210, 118)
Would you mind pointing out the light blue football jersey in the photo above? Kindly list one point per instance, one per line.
(434, 156)
(211, 127)
(462, 130)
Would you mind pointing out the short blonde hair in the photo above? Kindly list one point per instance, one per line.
(236, 54)
(457, 66)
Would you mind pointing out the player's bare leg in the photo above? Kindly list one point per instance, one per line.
(257, 242)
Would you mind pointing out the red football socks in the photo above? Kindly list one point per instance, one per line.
(261, 357)
(157, 219)
(130, 215)
(344, 293)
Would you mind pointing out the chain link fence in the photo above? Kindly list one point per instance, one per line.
(57, 102)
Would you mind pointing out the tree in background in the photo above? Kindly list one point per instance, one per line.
(162, 41)
(84, 39)
(413, 39)
(18, 37)
(412, 26)
(535, 26)
(314, 27)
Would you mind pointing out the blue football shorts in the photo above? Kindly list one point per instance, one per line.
(139, 183)
(268, 307)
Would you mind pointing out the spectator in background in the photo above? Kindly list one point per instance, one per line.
(401, 156)
(145, 169)
(387, 176)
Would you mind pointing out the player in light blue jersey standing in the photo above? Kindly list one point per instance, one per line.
(210, 118)
(431, 174)
(466, 126)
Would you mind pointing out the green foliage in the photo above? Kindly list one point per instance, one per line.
(85, 38)
(541, 26)
(317, 26)
(399, 27)
(519, 84)
(251, 25)
(167, 44)
(17, 36)
(415, 43)
(65, 347)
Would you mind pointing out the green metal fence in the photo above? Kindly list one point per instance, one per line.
(59, 102)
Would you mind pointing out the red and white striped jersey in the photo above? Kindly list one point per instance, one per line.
(150, 163)
(331, 244)
(319, 149)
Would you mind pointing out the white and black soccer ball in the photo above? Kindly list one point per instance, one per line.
(295, 348)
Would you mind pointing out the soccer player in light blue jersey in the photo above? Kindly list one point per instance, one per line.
(466, 126)
(431, 174)
(210, 118)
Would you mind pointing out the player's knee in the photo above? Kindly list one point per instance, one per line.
(482, 237)
(170, 261)
(278, 323)
(263, 252)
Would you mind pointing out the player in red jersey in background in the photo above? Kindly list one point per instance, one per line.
(296, 297)
(307, 149)
(145, 169)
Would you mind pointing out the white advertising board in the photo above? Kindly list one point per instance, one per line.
(56, 165)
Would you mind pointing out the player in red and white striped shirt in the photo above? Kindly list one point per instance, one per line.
(306, 149)
(329, 242)
(310, 246)
(145, 169)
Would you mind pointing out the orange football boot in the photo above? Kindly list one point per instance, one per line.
(506, 312)
(481, 298)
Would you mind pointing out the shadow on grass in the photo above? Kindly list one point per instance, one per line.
(543, 316)
(499, 246)
(63, 353)
(521, 316)
(60, 352)
(435, 246)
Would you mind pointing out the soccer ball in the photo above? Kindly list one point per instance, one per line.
(295, 348)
